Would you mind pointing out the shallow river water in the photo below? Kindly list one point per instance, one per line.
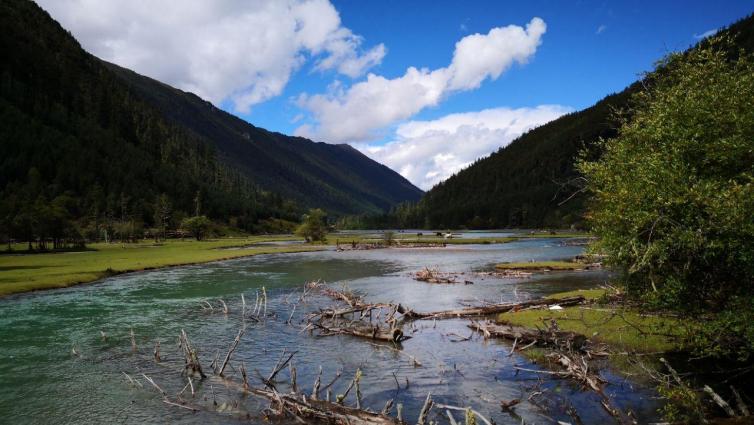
(43, 381)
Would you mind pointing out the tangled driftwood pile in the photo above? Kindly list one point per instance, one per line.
(434, 276)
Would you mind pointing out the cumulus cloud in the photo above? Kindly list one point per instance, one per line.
(354, 114)
(428, 152)
(241, 50)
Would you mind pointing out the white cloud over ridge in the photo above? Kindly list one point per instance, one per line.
(428, 152)
(354, 114)
(241, 50)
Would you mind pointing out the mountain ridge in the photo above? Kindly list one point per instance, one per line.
(276, 161)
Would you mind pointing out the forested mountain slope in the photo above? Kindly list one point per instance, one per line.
(526, 183)
(83, 141)
(75, 144)
(338, 178)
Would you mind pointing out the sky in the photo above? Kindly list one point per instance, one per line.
(424, 87)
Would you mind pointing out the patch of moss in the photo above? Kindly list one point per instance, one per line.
(624, 329)
(589, 294)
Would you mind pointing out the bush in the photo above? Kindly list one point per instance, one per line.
(673, 194)
(198, 226)
(314, 226)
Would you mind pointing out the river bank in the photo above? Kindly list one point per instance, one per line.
(23, 272)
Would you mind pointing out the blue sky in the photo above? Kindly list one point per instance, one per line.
(339, 71)
(574, 66)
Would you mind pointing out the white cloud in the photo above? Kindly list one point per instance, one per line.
(242, 50)
(428, 152)
(601, 29)
(356, 113)
(706, 34)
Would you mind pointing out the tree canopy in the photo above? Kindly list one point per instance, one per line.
(673, 193)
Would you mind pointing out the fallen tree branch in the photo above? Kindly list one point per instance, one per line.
(326, 412)
(490, 309)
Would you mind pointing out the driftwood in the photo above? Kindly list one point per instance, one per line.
(508, 273)
(574, 366)
(364, 320)
(375, 332)
(231, 349)
(434, 276)
(490, 309)
(191, 357)
(523, 335)
(720, 401)
(325, 411)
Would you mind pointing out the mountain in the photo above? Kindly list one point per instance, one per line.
(88, 141)
(338, 178)
(529, 182)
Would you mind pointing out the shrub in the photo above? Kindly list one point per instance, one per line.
(198, 226)
(673, 194)
(313, 227)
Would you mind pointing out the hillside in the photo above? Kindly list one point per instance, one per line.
(87, 143)
(526, 183)
(338, 178)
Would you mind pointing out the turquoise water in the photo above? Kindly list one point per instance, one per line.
(43, 381)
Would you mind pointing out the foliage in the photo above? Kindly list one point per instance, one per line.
(313, 227)
(275, 226)
(198, 226)
(683, 404)
(674, 192)
(388, 237)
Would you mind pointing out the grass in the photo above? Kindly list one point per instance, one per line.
(589, 294)
(541, 265)
(626, 329)
(29, 272)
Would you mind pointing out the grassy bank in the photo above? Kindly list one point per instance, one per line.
(622, 328)
(541, 266)
(29, 272)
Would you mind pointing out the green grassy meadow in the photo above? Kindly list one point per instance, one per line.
(619, 327)
(29, 272)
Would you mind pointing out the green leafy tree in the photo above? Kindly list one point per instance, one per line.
(162, 212)
(198, 226)
(673, 194)
(314, 226)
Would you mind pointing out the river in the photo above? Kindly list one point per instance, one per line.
(43, 381)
